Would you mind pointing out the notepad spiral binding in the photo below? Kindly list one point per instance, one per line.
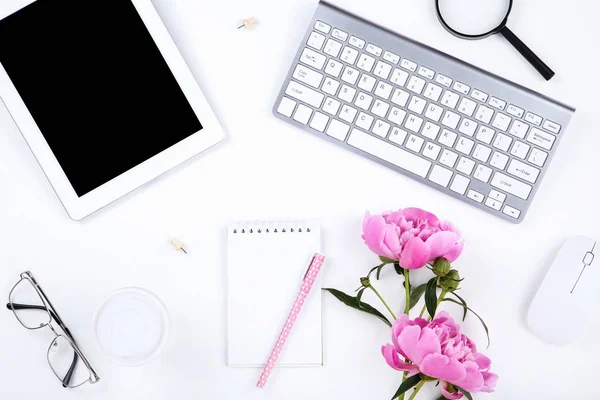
(272, 227)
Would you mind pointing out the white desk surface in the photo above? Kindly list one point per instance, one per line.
(264, 170)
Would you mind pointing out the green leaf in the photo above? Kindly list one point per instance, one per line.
(386, 260)
(379, 270)
(416, 294)
(485, 327)
(407, 384)
(398, 268)
(355, 303)
(431, 296)
(359, 294)
(467, 394)
(464, 304)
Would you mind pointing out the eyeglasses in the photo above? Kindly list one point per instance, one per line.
(33, 310)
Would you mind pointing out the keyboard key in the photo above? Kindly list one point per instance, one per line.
(400, 97)
(511, 212)
(331, 106)
(380, 108)
(520, 150)
(502, 121)
(496, 195)
(462, 88)
(502, 142)
(363, 101)
(432, 150)
(511, 185)
(499, 160)
(332, 48)
(540, 138)
(450, 99)
(414, 123)
(482, 153)
(447, 138)
(515, 111)
(382, 70)
(322, 26)
(416, 84)
(448, 158)
(381, 128)
(365, 62)
(433, 92)
(330, 86)
(414, 143)
(347, 93)
(315, 40)
(304, 94)
(443, 80)
(364, 121)
(467, 127)
(339, 34)
(390, 153)
(450, 120)
(534, 119)
(523, 171)
(338, 130)
(473, 195)
(383, 90)
(497, 103)
(496, 205)
(485, 134)
(538, 157)
(417, 105)
(440, 175)
(334, 68)
(348, 113)
(397, 116)
(551, 126)
(465, 165)
(349, 55)
(465, 145)
(366, 82)
(467, 106)
(356, 42)
(519, 129)
(398, 135)
(312, 58)
(391, 57)
(350, 75)
(375, 50)
(399, 77)
(319, 121)
(479, 95)
(286, 107)
(430, 130)
(460, 184)
(409, 65)
(308, 76)
(484, 114)
(434, 112)
(482, 173)
(426, 72)
(302, 114)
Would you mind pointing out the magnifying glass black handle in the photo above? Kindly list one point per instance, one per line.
(526, 52)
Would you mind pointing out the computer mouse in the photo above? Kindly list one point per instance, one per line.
(564, 303)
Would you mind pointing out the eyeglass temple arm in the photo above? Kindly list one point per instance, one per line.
(16, 306)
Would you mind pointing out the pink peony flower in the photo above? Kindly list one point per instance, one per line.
(411, 236)
(438, 349)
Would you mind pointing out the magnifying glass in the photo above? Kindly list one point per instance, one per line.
(478, 19)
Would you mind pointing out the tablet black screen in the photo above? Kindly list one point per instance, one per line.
(96, 85)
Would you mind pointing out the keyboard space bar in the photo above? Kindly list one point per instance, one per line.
(390, 153)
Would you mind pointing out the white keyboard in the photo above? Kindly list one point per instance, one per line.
(457, 128)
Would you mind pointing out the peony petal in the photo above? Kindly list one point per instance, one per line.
(402, 322)
(447, 394)
(392, 241)
(455, 252)
(415, 214)
(449, 226)
(441, 243)
(373, 235)
(415, 254)
(442, 367)
(429, 343)
(483, 361)
(391, 357)
(366, 220)
(489, 382)
(407, 341)
(473, 380)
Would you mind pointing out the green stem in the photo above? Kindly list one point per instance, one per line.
(383, 301)
(423, 310)
(419, 386)
(407, 288)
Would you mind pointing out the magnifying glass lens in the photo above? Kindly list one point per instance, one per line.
(474, 17)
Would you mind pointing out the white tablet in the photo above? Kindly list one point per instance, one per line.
(102, 96)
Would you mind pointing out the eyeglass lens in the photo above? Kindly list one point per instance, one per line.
(24, 293)
(61, 357)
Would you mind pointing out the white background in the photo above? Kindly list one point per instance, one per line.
(267, 169)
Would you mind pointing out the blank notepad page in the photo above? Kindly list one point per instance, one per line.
(266, 266)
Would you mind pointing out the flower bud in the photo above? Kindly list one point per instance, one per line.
(450, 281)
(365, 282)
(441, 267)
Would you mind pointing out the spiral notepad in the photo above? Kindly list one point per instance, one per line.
(266, 264)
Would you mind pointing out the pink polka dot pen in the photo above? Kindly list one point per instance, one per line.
(307, 284)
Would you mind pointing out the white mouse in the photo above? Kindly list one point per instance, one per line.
(564, 303)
